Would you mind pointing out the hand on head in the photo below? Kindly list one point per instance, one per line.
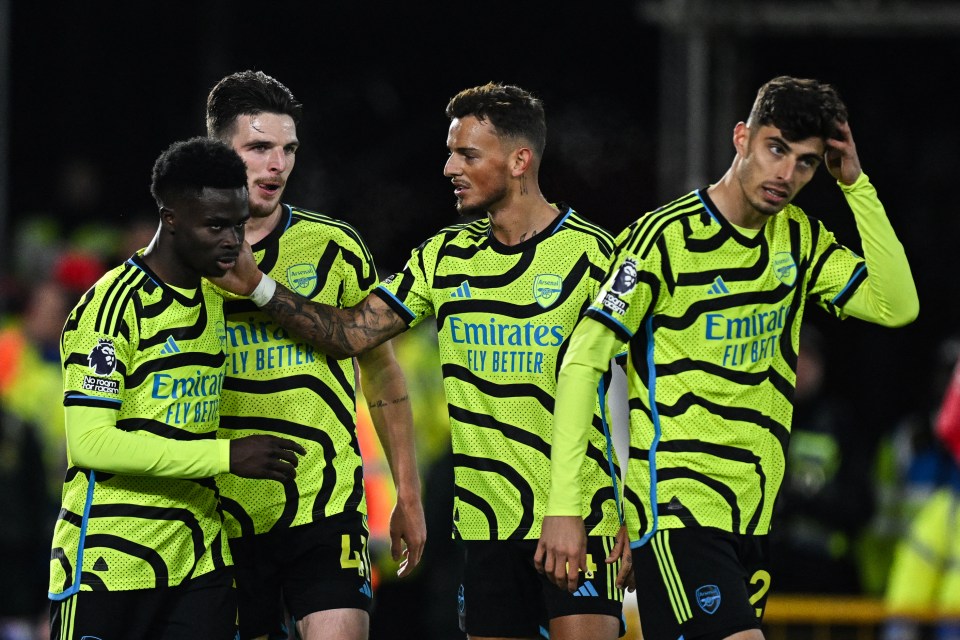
(841, 157)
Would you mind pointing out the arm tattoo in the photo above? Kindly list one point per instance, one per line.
(341, 333)
(380, 404)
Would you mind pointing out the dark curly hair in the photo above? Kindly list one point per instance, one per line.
(187, 166)
(515, 112)
(247, 93)
(800, 107)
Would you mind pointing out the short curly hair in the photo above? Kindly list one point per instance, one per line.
(800, 107)
(187, 166)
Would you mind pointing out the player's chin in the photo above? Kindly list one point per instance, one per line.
(220, 268)
(465, 209)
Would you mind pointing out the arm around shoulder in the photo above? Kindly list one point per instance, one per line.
(340, 333)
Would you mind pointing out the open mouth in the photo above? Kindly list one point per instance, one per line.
(776, 194)
(269, 188)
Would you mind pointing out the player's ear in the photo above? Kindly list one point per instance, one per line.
(167, 219)
(741, 136)
(520, 161)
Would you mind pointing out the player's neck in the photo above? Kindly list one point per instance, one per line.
(259, 228)
(168, 267)
(731, 203)
(522, 219)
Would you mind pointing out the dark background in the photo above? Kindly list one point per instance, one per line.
(97, 90)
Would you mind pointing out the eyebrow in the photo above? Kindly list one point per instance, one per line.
(783, 143)
(222, 219)
(253, 142)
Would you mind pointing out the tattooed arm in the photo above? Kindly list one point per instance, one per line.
(385, 390)
(341, 333)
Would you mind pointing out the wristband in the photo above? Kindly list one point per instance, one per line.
(264, 291)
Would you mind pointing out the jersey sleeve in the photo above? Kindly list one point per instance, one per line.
(836, 274)
(94, 442)
(409, 292)
(631, 287)
(359, 274)
(592, 345)
(602, 264)
(97, 350)
(888, 294)
(621, 306)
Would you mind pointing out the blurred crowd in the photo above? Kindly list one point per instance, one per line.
(866, 509)
(48, 273)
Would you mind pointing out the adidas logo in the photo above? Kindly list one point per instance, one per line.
(100, 564)
(365, 590)
(586, 590)
(170, 347)
(718, 287)
(463, 291)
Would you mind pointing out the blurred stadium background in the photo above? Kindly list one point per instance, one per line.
(641, 99)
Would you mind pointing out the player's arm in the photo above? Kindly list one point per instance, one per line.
(561, 551)
(341, 333)
(888, 296)
(94, 442)
(385, 389)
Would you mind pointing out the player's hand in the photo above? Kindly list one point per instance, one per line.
(408, 534)
(562, 550)
(244, 277)
(621, 551)
(841, 157)
(265, 457)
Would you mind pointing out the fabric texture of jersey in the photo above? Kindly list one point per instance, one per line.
(155, 355)
(713, 319)
(279, 385)
(504, 315)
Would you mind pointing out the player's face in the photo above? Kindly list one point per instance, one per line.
(772, 170)
(268, 144)
(208, 230)
(477, 165)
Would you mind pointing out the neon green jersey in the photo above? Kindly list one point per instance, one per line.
(149, 357)
(713, 315)
(504, 315)
(280, 385)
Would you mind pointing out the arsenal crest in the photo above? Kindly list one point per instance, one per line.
(708, 597)
(302, 279)
(546, 289)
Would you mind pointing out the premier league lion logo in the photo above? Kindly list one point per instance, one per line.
(103, 358)
(626, 277)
